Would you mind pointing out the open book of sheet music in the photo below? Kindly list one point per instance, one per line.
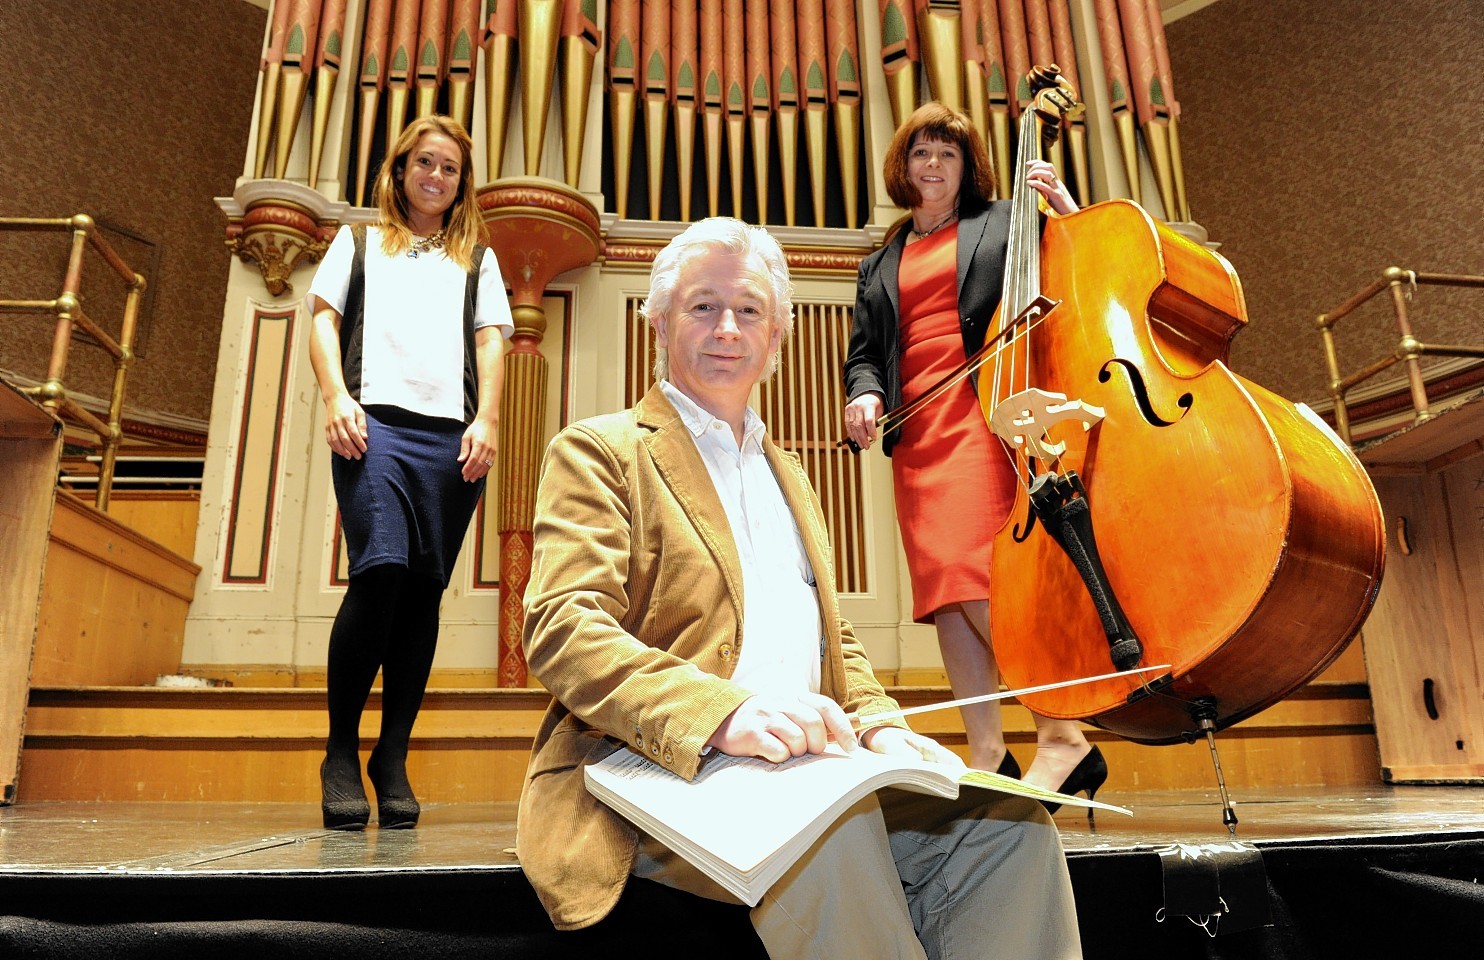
(743, 822)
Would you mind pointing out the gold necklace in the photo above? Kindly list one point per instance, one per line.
(924, 234)
(421, 245)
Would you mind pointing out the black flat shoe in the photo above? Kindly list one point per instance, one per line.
(396, 806)
(1008, 767)
(343, 804)
(1089, 774)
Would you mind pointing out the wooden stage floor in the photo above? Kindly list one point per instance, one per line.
(277, 837)
(1320, 874)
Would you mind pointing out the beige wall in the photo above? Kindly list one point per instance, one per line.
(1324, 142)
(137, 112)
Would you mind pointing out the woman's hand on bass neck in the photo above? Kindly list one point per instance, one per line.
(1041, 177)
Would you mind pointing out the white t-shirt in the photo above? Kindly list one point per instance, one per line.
(412, 346)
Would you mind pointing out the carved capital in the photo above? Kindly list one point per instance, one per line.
(277, 255)
(279, 227)
(538, 228)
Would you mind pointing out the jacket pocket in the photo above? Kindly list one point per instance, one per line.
(567, 749)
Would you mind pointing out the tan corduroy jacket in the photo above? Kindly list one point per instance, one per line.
(634, 623)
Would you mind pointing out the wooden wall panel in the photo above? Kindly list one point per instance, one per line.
(113, 602)
(30, 448)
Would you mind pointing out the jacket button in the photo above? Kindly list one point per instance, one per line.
(638, 738)
(654, 748)
(726, 651)
(669, 759)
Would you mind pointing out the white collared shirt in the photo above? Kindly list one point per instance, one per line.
(781, 638)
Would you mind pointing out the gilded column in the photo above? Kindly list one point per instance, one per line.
(538, 228)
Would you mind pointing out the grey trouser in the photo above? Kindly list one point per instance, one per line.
(906, 875)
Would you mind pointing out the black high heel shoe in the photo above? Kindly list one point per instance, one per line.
(1009, 766)
(1087, 776)
(343, 801)
(396, 807)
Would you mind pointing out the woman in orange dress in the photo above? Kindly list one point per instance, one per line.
(924, 303)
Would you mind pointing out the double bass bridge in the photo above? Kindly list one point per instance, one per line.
(1024, 421)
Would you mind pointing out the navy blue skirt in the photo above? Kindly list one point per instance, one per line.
(405, 501)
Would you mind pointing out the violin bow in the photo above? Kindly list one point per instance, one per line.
(1034, 313)
(856, 720)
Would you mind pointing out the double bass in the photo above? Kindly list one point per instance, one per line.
(1170, 511)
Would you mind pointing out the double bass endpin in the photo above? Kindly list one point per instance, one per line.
(1203, 711)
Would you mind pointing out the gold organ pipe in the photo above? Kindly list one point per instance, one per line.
(499, 80)
(540, 23)
(577, 78)
(939, 40)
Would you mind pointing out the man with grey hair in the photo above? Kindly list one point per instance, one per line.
(681, 603)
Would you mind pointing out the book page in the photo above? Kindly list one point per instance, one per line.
(742, 810)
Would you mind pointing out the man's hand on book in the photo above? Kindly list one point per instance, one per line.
(776, 728)
(900, 742)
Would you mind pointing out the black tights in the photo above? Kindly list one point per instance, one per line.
(388, 621)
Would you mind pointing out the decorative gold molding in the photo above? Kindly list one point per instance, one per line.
(801, 260)
(280, 227)
(279, 236)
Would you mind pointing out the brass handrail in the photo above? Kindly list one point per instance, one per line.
(1408, 349)
(52, 392)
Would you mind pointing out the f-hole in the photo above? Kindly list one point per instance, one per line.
(1141, 393)
(1023, 529)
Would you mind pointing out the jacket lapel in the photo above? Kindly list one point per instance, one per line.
(673, 451)
(887, 273)
(981, 259)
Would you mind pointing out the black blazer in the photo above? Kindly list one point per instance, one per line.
(872, 360)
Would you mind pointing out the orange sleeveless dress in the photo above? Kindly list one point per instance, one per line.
(953, 481)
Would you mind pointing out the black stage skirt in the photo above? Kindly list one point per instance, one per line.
(405, 501)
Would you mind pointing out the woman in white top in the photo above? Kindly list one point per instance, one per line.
(410, 319)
